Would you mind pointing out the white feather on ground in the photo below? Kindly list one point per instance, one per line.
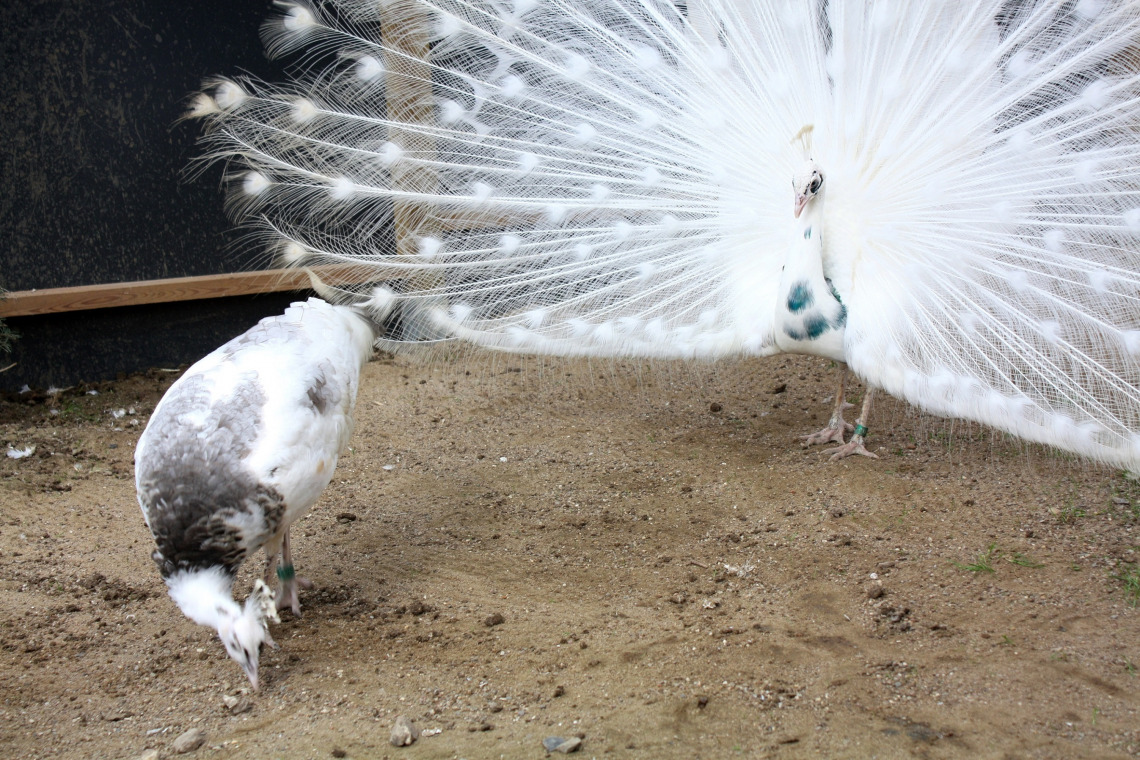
(610, 177)
(241, 446)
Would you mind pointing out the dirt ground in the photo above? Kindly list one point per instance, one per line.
(641, 556)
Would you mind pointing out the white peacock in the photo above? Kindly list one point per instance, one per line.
(611, 178)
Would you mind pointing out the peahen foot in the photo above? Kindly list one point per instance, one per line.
(287, 591)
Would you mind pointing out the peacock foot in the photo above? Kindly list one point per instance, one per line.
(854, 446)
(829, 434)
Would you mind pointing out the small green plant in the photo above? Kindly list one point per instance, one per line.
(984, 563)
(1022, 560)
(1128, 573)
(1070, 513)
(1129, 668)
(1006, 641)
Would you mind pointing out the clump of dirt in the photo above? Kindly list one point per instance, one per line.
(638, 556)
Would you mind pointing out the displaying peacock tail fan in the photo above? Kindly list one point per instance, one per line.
(612, 178)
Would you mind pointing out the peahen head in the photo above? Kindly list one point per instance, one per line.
(204, 597)
(807, 183)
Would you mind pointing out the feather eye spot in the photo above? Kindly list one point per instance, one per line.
(391, 154)
(481, 191)
(1095, 96)
(599, 192)
(509, 244)
(229, 95)
(647, 118)
(1100, 280)
(554, 213)
(298, 19)
(576, 67)
(584, 134)
(303, 111)
(645, 57)
(341, 189)
(535, 318)
(1131, 339)
(461, 312)
(254, 183)
(1132, 219)
(528, 162)
(1054, 240)
(450, 112)
(512, 86)
(1085, 171)
(1088, 9)
(368, 68)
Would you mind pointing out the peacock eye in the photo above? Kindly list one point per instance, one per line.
(815, 183)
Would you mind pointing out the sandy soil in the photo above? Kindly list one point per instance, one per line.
(675, 578)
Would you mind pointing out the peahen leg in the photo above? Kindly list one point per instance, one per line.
(287, 593)
(836, 426)
(855, 445)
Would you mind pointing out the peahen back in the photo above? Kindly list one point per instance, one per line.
(612, 177)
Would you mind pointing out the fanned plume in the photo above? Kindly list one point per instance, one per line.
(611, 177)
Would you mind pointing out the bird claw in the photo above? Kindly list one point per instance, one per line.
(828, 434)
(848, 449)
(287, 596)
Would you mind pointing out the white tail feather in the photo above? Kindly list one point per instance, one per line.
(612, 178)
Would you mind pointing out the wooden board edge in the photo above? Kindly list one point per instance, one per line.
(23, 303)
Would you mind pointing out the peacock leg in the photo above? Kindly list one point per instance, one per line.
(855, 445)
(836, 426)
(287, 593)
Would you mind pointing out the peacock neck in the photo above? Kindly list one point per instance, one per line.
(810, 317)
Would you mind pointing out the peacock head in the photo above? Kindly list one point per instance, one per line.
(807, 183)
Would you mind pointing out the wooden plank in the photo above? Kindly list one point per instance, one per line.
(57, 300)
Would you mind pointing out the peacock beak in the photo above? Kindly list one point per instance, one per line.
(801, 201)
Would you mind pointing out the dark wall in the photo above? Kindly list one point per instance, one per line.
(92, 166)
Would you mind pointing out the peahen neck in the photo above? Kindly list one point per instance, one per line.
(810, 317)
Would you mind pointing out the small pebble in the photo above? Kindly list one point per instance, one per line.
(715, 407)
(404, 732)
(573, 744)
(150, 754)
(874, 590)
(338, 752)
(345, 517)
(189, 741)
(493, 620)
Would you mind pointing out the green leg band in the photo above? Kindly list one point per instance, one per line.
(860, 430)
(286, 573)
